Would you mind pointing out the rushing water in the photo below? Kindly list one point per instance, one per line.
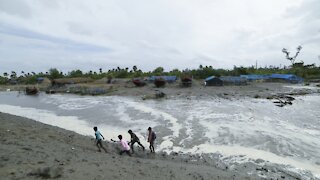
(255, 128)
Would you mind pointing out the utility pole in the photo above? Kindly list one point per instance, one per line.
(257, 64)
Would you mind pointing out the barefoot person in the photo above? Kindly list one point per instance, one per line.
(151, 139)
(134, 139)
(125, 148)
(99, 137)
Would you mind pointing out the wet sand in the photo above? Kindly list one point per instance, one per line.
(32, 150)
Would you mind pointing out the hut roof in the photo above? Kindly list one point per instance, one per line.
(166, 78)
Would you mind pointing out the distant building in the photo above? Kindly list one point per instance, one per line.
(40, 80)
(213, 81)
(168, 79)
(234, 80)
(286, 77)
(256, 77)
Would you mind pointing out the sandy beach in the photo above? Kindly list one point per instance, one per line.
(32, 150)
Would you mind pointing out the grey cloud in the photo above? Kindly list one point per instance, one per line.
(78, 28)
(177, 34)
(52, 4)
(15, 7)
(65, 43)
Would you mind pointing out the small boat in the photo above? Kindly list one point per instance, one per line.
(138, 82)
(31, 91)
(186, 81)
(159, 82)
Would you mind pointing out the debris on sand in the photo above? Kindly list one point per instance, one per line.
(283, 100)
(31, 91)
(158, 95)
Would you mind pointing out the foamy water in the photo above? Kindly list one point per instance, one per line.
(254, 128)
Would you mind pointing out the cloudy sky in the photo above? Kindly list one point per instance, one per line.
(36, 35)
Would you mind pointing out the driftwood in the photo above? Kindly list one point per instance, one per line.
(157, 95)
(283, 100)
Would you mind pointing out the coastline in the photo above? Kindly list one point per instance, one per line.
(124, 87)
(30, 150)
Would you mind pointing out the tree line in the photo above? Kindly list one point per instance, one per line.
(299, 69)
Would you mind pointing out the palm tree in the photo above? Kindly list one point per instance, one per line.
(13, 74)
(134, 68)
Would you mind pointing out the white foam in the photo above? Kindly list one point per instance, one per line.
(255, 154)
(66, 122)
(71, 123)
(175, 126)
(72, 102)
(302, 87)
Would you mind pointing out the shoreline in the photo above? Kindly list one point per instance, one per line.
(31, 149)
(123, 87)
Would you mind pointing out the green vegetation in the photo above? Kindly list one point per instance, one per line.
(299, 69)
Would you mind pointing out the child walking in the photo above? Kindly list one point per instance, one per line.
(134, 139)
(151, 139)
(99, 137)
(125, 148)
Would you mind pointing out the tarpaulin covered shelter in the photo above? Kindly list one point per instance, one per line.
(286, 77)
(233, 80)
(213, 81)
(166, 78)
(256, 77)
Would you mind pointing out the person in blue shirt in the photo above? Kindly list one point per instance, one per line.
(99, 138)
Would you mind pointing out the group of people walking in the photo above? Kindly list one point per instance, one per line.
(126, 147)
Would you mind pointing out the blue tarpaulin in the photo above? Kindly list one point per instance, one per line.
(254, 77)
(287, 77)
(236, 80)
(166, 78)
(209, 78)
(213, 81)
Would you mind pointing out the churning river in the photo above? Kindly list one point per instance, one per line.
(244, 129)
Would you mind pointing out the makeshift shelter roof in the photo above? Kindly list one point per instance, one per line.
(252, 77)
(209, 78)
(283, 76)
(236, 80)
(288, 77)
(166, 78)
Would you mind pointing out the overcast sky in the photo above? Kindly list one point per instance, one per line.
(36, 35)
